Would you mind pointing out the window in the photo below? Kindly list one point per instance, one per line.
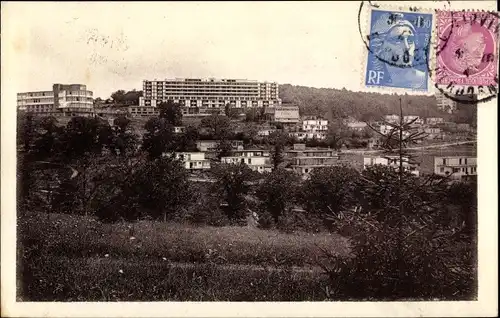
(456, 169)
(465, 160)
(444, 161)
(460, 161)
(249, 160)
(441, 169)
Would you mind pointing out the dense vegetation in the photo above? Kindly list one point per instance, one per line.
(334, 103)
(410, 237)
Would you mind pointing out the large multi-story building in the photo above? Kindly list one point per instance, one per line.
(198, 96)
(63, 100)
(457, 167)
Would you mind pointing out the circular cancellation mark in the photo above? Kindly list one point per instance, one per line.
(466, 54)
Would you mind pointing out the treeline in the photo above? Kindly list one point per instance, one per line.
(334, 103)
(412, 237)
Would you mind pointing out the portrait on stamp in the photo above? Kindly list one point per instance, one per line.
(398, 49)
(468, 44)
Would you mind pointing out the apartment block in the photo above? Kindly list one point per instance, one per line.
(457, 167)
(304, 160)
(198, 95)
(62, 100)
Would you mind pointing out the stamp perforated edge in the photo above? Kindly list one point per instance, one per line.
(434, 59)
(365, 17)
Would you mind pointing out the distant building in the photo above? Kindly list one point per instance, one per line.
(256, 159)
(444, 103)
(63, 100)
(391, 161)
(457, 167)
(197, 96)
(416, 119)
(393, 119)
(265, 131)
(463, 127)
(179, 129)
(283, 114)
(193, 160)
(434, 120)
(303, 160)
(315, 125)
(302, 135)
(143, 111)
(356, 125)
(433, 132)
(211, 145)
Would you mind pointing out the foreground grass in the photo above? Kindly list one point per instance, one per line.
(65, 257)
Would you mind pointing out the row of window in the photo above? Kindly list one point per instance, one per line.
(463, 170)
(460, 161)
(206, 98)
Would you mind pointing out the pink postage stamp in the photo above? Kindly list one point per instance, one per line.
(467, 52)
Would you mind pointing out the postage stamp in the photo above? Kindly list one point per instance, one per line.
(399, 49)
(467, 51)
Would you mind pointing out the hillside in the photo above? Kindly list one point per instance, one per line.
(335, 103)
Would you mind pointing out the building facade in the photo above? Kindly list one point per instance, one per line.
(391, 161)
(284, 114)
(457, 167)
(193, 160)
(256, 159)
(199, 95)
(304, 160)
(434, 120)
(62, 100)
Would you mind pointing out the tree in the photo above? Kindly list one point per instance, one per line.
(224, 148)
(124, 140)
(158, 138)
(278, 139)
(330, 190)
(278, 192)
(118, 96)
(219, 126)
(233, 183)
(162, 186)
(187, 140)
(171, 112)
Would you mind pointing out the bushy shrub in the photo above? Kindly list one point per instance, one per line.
(417, 260)
(278, 192)
(329, 190)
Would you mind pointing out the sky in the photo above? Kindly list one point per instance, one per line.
(116, 45)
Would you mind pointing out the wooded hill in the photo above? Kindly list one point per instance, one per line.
(335, 103)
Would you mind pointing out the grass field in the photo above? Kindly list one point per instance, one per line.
(65, 257)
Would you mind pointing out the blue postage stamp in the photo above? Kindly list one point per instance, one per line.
(399, 49)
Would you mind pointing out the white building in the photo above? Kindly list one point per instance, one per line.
(393, 119)
(391, 161)
(301, 135)
(257, 160)
(193, 160)
(196, 96)
(434, 120)
(265, 132)
(455, 166)
(315, 125)
(179, 129)
(64, 100)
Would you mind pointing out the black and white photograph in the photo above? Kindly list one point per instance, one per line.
(279, 153)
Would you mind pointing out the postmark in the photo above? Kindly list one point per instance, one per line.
(398, 49)
(466, 62)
